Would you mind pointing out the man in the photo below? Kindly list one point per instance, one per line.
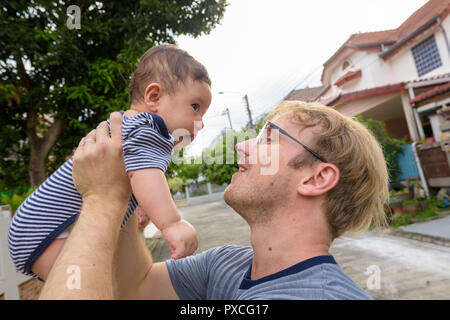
(330, 178)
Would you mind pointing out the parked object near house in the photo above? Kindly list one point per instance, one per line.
(435, 162)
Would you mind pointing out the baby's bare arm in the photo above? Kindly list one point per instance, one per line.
(153, 195)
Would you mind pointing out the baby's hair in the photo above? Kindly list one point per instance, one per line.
(168, 66)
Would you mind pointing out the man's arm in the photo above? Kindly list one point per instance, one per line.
(137, 276)
(137, 280)
(84, 268)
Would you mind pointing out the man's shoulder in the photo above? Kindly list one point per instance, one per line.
(229, 251)
(340, 286)
(325, 281)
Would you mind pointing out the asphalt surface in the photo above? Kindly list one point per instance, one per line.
(405, 268)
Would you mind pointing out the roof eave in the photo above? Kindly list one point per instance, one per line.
(405, 39)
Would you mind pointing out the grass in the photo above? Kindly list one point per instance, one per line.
(406, 219)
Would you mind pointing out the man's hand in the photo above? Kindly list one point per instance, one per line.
(109, 179)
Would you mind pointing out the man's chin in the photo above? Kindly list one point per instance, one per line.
(226, 194)
(230, 195)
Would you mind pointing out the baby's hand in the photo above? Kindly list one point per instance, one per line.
(182, 239)
(143, 219)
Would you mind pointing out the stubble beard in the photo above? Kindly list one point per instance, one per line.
(254, 202)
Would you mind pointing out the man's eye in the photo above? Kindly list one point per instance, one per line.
(195, 106)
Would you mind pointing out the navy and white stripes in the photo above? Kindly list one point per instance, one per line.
(56, 203)
(146, 142)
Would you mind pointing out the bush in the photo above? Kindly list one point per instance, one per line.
(406, 219)
(16, 199)
(175, 184)
(391, 147)
(410, 203)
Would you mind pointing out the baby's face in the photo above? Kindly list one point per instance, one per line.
(183, 110)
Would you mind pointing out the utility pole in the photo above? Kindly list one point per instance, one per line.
(246, 105)
(227, 111)
(248, 111)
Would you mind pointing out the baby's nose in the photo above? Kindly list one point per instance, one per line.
(199, 125)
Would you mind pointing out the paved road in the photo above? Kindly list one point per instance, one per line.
(407, 269)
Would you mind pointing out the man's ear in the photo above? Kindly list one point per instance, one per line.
(152, 95)
(319, 180)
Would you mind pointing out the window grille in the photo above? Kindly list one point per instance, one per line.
(426, 56)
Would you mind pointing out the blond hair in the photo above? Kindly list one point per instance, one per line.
(358, 199)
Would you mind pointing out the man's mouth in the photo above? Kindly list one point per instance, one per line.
(242, 168)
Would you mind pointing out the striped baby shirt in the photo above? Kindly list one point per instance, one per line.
(56, 203)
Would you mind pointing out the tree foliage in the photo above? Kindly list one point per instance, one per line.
(392, 147)
(57, 83)
(175, 184)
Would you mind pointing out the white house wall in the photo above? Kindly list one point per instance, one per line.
(404, 67)
(400, 67)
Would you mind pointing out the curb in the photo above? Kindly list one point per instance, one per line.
(421, 237)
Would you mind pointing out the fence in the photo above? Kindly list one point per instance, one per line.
(407, 163)
(203, 188)
(9, 278)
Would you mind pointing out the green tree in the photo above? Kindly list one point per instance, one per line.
(391, 146)
(220, 163)
(56, 82)
(175, 184)
(190, 171)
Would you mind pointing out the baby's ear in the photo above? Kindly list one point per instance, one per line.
(152, 95)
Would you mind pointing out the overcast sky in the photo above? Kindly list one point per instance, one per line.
(266, 48)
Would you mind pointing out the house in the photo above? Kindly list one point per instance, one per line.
(388, 75)
(399, 76)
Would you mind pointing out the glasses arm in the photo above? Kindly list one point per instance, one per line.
(287, 134)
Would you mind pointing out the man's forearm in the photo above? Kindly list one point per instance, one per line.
(132, 260)
(84, 268)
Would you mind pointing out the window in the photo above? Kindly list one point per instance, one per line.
(426, 56)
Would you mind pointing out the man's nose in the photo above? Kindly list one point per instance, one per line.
(244, 148)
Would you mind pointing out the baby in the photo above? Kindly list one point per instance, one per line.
(169, 93)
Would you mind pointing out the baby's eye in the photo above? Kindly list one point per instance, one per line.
(195, 106)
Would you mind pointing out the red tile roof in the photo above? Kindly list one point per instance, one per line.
(422, 15)
(389, 37)
(366, 93)
(431, 93)
(440, 78)
(351, 75)
(377, 37)
(307, 94)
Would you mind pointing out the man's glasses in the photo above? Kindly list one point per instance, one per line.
(264, 134)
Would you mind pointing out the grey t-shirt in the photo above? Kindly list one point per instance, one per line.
(223, 273)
